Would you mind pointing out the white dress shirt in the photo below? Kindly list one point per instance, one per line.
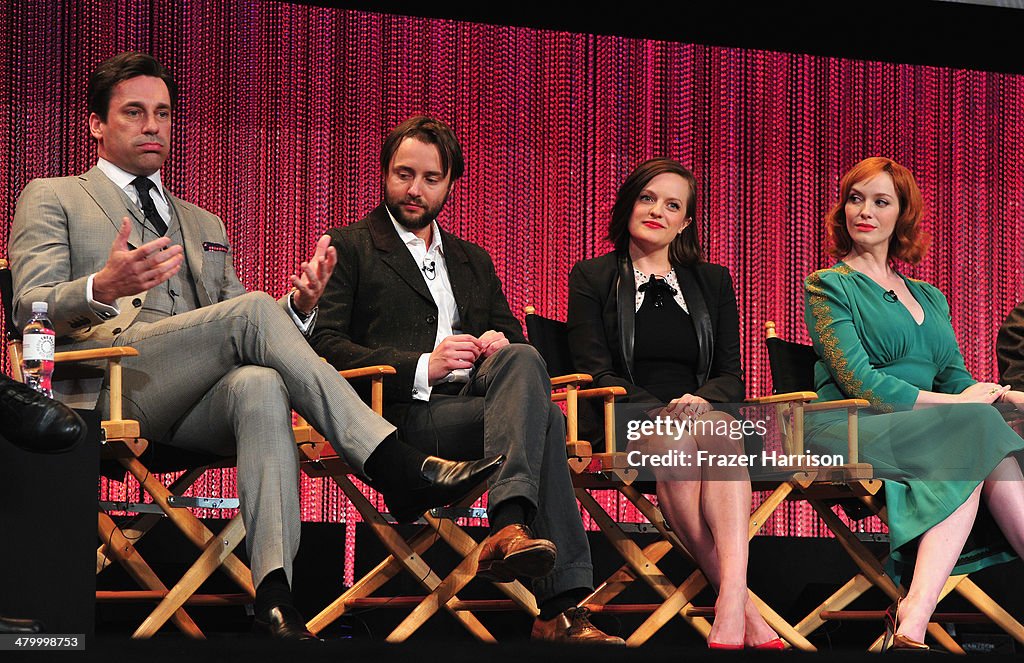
(431, 263)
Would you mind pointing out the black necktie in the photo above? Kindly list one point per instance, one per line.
(142, 186)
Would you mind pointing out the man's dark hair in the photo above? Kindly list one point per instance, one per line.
(427, 130)
(121, 67)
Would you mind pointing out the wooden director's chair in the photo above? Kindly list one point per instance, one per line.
(792, 368)
(609, 470)
(123, 444)
(406, 554)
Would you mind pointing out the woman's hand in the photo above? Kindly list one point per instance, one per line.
(983, 392)
(1015, 397)
(687, 405)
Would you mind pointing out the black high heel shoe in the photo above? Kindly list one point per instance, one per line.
(894, 641)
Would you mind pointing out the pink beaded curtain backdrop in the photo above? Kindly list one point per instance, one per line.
(284, 107)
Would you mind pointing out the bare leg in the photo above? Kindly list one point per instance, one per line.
(936, 556)
(710, 514)
(1003, 492)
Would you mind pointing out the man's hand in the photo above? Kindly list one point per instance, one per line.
(490, 342)
(129, 272)
(451, 354)
(312, 278)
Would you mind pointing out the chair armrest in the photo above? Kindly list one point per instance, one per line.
(595, 392)
(844, 404)
(575, 379)
(95, 353)
(376, 375)
(367, 372)
(124, 428)
(790, 397)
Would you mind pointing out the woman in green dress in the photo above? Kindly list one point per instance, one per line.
(945, 453)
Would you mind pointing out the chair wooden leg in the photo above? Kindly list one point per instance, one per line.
(186, 521)
(785, 630)
(141, 525)
(122, 550)
(846, 595)
(619, 581)
(464, 545)
(984, 603)
(371, 582)
(215, 552)
(643, 567)
(871, 567)
(674, 604)
(440, 597)
(398, 547)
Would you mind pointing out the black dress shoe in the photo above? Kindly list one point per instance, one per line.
(447, 481)
(284, 623)
(12, 626)
(34, 422)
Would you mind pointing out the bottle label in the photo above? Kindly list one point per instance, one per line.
(38, 347)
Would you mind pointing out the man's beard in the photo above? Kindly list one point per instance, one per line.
(424, 219)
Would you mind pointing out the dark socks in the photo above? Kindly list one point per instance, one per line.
(559, 603)
(512, 511)
(272, 591)
(394, 465)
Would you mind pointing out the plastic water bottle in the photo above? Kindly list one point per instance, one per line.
(38, 341)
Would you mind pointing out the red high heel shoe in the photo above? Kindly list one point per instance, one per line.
(897, 641)
(777, 643)
(721, 646)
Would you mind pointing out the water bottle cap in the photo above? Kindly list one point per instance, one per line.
(40, 307)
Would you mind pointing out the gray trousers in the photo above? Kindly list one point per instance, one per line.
(223, 379)
(507, 409)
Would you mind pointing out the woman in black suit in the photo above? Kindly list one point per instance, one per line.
(652, 317)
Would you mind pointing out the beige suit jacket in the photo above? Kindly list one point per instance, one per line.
(62, 233)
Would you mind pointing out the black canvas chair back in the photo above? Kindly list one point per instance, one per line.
(551, 338)
(792, 365)
(11, 331)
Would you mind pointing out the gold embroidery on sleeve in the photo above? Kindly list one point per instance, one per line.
(831, 353)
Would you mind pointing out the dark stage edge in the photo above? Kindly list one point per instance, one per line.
(255, 650)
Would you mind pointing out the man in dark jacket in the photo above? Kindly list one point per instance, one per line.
(409, 294)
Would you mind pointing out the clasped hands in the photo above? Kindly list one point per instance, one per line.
(990, 392)
(686, 406)
(462, 351)
(131, 271)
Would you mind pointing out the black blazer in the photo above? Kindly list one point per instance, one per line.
(376, 308)
(1010, 349)
(602, 296)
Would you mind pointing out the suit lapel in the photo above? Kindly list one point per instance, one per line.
(460, 276)
(625, 299)
(396, 254)
(114, 203)
(693, 293)
(191, 242)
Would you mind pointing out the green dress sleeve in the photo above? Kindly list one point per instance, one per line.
(835, 332)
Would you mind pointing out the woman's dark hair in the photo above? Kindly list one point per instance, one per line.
(685, 248)
(121, 67)
(427, 130)
(909, 242)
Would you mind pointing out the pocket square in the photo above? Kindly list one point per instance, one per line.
(214, 246)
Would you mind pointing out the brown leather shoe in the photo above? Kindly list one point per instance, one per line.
(512, 552)
(573, 626)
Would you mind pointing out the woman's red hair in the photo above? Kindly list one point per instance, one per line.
(909, 242)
